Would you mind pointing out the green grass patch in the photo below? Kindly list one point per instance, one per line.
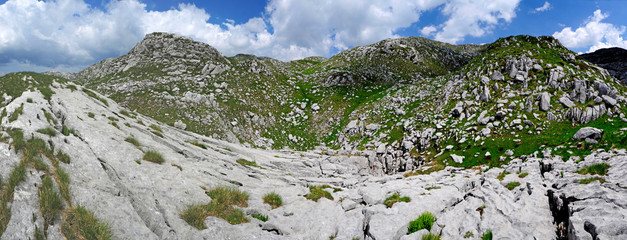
(197, 144)
(64, 184)
(18, 111)
(523, 174)
(159, 134)
(431, 188)
(424, 221)
(430, 236)
(156, 128)
(94, 95)
(595, 169)
(80, 223)
(133, 141)
(273, 199)
(91, 115)
(153, 156)
(592, 179)
(487, 235)
(67, 131)
(512, 185)
(391, 200)
(48, 131)
(502, 175)
(222, 201)
(317, 192)
(50, 203)
(263, 218)
(49, 117)
(39, 164)
(62, 157)
(434, 167)
(245, 162)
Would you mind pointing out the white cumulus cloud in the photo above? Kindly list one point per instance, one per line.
(545, 7)
(71, 34)
(593, 34)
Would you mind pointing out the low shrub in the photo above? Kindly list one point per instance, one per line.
(487, 235)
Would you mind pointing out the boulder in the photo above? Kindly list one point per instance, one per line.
(588, 132)
(545, 101)
(457, 159)
(564, 100)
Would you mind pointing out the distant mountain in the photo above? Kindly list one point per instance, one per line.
(613, 59)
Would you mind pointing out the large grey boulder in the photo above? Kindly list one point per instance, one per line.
(545, 101)
(588, 132)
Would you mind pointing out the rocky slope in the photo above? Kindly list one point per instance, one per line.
(613, 59)
(95, 151)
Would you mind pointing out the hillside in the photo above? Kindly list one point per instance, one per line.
(77, 165)
(612, 59)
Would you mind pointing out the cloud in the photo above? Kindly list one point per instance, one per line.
(545, 7)
(428, 30)
(474, 18)
(594, 34)
(71, 34)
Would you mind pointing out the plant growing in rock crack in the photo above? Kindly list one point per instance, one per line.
(80, 223)
(317, 192)
(245, 162)
(153, 156)
(430, 236)
(222, 201)
(512, 185)
(502, 175)
(273, 199)
(48, 131)
(424, 221)
(391, 200)
(133, 141)
(50, 203)
(595, 169)
(487, 235)
(261, 217)
(592, 179)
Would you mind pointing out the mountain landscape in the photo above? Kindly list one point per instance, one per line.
(406, 138)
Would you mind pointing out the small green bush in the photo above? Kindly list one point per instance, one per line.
(424, 221)
(487, 235)
(50, 203)
(512, 185)
(263, 218)
(48, 131)
(596, 169)
(273, 199)
(391, 200)
(317, 192)
(80, 223)
(153, 156)
(592, 179)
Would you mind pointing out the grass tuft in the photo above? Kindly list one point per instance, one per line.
(50, 203)
(595, 169)
(62, 157)
(523, 175)
(133, 141)
(80, 223)
(592, 179)
(317, 192)
(487, 235)
(512, 185)
(502, 175)
(430, 236)
(263, 218)
(48, 131)
(245, 162)
(156, 128)
(153, 156)
(197, 144)
(424, 221)
(273, 199)
(222, 201)
(64, 184)
(391, 200)
(18, 111)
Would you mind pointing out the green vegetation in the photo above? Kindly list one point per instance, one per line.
(80, 223)
(50, 203)
(64, 184)
(512, 185)
(153, 156)
(62, 157)
(263, 218)
(433, 187)
(39, 164)
(273, 199)
(487, 235)
(523, 174)
(595, 169)
(424, 221)
(94, 95)
(133, 141)
(197, 144)
(91, 115)
(48, 131)
(221, 206)
(592, 179)
(29, 100)
(245, 162)
(391, 200)
(67, 131)
(126, 113)
(502, 175)
(317, 192)
(159, 134)
(49, 117)
(469, 234)
(430, 236)
(156, 128)
(18, 111)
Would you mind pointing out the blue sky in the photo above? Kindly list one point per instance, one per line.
(69, 35)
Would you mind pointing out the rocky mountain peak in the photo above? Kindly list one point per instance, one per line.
(160, 45)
